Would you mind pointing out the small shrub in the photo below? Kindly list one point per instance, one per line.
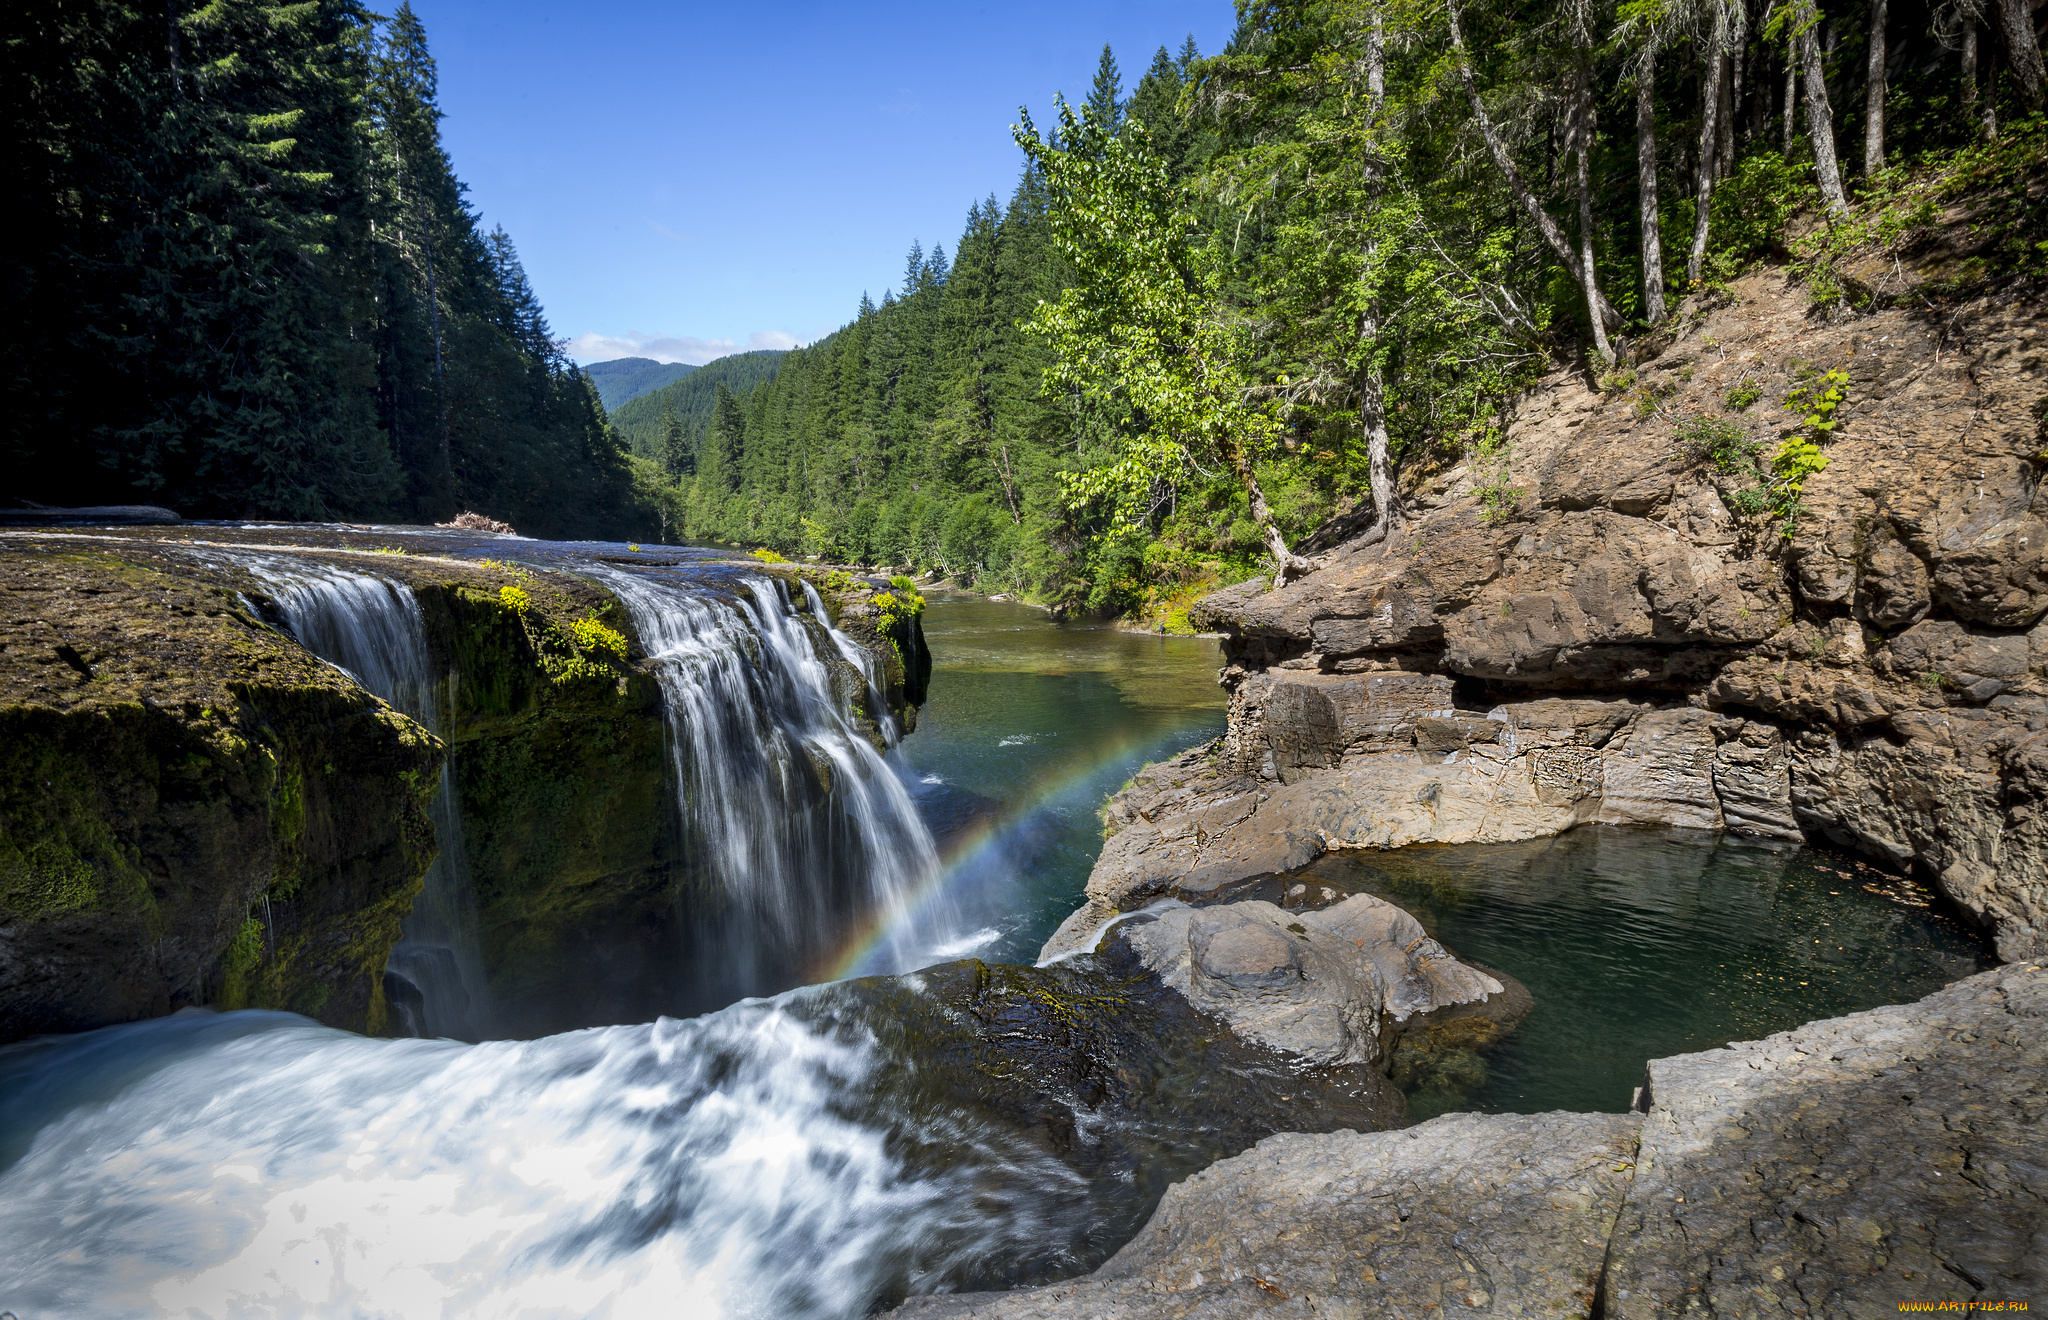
(839, 580)
(515, 599)
(1751, 209)
(591, 635)
(1497, 502)
(767, 556)
(1817, 396)
(1742, 396)
(1717, 441)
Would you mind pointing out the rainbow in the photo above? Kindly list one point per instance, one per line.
(972, 848)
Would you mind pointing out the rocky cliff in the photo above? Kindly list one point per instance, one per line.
(1608, 624)
(196, 810)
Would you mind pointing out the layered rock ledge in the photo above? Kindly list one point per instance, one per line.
(1599, 628)
(1836, 1170)
(194, 809)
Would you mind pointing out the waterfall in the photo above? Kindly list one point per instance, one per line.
(371, 628)
(803, 831)
(862, 659)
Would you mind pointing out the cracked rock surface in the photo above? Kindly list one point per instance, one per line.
(1834, 1170)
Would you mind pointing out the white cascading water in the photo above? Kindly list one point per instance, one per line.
(862, 659)
(371, 628)
(742, 1166)
(802, 826)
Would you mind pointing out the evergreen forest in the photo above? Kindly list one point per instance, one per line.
(1229, 304)
(245, 281)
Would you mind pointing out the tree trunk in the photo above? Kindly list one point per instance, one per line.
(1820, 120)
(1646, 187)
(176, 51)
(2024, 52)
(1372, 394)
(1552, 234)
(1724, 134)
(1586, 126)
(1873, 94)
(1287, 563)
(1791, 98)
(1710, 136)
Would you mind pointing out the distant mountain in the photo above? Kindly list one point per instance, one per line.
(639, 420)
(629, 378)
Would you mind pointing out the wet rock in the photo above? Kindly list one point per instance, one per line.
(1496, 1214)
(1848, 1165)
(192, 808)
(1314, 984)
(1833, 1170)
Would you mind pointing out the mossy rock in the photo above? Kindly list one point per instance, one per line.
(168, 762)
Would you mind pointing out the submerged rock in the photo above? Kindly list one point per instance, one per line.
(1315, 984)
(1832, 1170)
(1093, 1065)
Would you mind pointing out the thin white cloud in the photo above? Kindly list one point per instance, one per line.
(666, 232)
(673, 348)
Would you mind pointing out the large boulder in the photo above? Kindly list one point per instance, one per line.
(1321, 985)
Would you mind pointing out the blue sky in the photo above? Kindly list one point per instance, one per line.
(689, 180)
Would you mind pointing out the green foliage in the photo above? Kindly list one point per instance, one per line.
(1753, 206)
(767, 556)
(1742, 396)
(245, 950)
(1816, 396)
(1717, 441)
(591, 635)
(515, 599)
(248, 283)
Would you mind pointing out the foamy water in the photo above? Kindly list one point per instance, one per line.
(246, 1164)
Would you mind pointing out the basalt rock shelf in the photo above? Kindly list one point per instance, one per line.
(1841, 1169)
(213, 792)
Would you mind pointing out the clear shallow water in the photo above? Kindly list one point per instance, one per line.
(1030, 726)
(1643, 943)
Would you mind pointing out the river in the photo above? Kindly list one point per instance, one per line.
(824, 1150)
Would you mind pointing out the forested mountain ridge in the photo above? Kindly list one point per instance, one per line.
(667, 425)
(1335, 255)
(623, 379)
(245, 281)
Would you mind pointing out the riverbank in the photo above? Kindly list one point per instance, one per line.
(1605, 628)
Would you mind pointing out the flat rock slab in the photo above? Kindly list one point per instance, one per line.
(1496, 1214)
(1840, 1169)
